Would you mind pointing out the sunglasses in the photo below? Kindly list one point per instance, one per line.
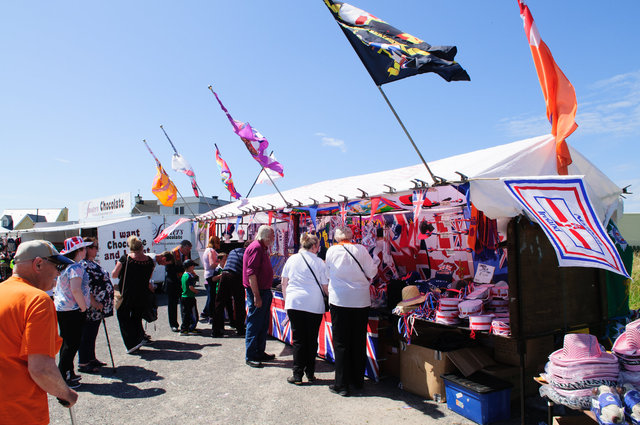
(59, 267)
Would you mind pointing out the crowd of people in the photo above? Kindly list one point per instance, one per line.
(69, 290)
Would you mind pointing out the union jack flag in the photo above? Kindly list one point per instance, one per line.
(279, 327)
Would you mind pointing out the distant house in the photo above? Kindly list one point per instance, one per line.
(20, 219)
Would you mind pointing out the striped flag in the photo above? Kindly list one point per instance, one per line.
(180, 164)
(167, 231)
(225, 174)
(558, 92)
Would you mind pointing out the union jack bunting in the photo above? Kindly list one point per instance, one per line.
(562, 208)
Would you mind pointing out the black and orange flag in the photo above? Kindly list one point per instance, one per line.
(388, 53)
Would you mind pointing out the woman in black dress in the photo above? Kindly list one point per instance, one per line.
(134, 271)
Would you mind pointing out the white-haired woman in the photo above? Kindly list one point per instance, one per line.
(134, 271)
(304, 280)
(350, 270)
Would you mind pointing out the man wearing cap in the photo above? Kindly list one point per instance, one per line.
(257, 278)
(29, 337)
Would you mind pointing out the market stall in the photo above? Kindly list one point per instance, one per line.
(458, 231)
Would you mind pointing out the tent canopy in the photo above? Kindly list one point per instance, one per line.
(484, 168)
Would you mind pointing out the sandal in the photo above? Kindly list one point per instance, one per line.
(88, 368)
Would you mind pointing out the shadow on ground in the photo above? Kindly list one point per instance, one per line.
(121, 386)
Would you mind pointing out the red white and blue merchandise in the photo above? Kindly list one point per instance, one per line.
(562, 208)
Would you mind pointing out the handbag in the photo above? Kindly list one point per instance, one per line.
(117, 293)
(325, 297)
(150, 313)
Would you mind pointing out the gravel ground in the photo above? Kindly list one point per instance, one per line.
(202, 380)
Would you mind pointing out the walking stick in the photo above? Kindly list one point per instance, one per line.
(72, 413)
(113, 366)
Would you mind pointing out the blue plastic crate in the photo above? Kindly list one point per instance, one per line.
(482, 398)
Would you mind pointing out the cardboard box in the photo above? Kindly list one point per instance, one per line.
(470, 360)
(505, 350)
(420, 370)
(389, 360)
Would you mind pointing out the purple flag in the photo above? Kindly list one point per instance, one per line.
(253, 140)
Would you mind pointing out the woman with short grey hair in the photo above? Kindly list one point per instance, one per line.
(351, 269)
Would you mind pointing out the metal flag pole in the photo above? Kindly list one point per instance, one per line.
(257, 177)
(194, 180)
(434, 178)
(177, 190)
(113, 365)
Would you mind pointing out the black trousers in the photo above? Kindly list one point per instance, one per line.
(305, 327)
(130, 321)
(87, 351)
(188, 305)
(230, 286)
(71, 324)
(174, 292)
(349, 327)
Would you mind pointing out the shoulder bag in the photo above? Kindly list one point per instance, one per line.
(357, 262)
(325, 297)
(117, 294)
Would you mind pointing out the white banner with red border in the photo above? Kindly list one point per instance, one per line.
(561, 206)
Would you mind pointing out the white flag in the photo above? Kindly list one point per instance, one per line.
(263, 178)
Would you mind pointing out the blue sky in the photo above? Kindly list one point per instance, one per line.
(82, 83)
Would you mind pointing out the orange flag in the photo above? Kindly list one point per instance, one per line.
(163, 188)
(559, 94)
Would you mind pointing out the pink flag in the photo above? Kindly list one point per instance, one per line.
(167, 231)
(253, 140)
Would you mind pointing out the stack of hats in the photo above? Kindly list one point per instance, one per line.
(480, 322)
(577, 368)
(627, 350)
(447, 313)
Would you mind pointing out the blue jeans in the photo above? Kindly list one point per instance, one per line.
(257, 324)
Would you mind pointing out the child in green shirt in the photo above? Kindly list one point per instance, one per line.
(188, 299)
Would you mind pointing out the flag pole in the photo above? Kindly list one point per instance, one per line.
(435, 181)
(194, 180)
(177, 190)
(257, 177)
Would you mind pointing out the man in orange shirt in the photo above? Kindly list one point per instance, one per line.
(29, 337)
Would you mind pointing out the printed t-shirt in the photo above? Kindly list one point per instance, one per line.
(64, 299)
(29, 326)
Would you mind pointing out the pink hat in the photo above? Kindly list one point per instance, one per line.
(581, 348)
(73, 243)
(628, 343)
(633, 325)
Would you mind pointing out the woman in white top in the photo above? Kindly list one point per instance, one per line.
(350, 270)
(303, 278)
